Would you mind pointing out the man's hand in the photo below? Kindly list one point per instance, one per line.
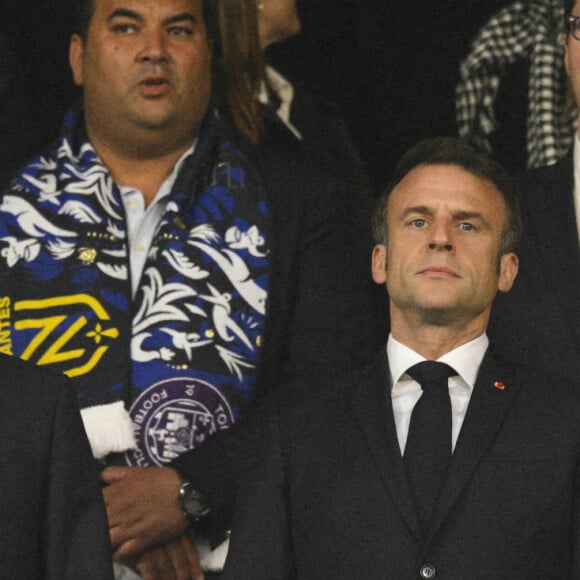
(142, 507)
(175, 560)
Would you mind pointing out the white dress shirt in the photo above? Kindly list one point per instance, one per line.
(285, 92)
(405, 392)
(142, 221)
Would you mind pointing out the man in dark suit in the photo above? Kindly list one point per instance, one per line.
(53, 523)
(470, 474)
(538, 323)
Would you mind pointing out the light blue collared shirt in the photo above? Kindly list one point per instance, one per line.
(405, 392)
(142, 221)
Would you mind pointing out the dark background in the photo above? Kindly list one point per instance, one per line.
(391, 66)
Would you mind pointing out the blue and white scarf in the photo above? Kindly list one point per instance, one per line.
(180, 359)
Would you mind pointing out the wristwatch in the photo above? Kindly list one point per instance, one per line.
(191, 501)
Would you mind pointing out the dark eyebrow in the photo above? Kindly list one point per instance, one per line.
(470, 215)
(184, 16)
(125, 13)
(420, 209)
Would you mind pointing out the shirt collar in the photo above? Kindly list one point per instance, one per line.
(167, 185)
(465, 359)
(285, 92)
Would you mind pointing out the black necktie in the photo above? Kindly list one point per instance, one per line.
(428, 448)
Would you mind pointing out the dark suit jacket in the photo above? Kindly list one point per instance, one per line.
(537, 323)
(330, 498)
(53, 523)
(319, 245)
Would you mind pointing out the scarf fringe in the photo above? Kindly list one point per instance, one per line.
(109, 429)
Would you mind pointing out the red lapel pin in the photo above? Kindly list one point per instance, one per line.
(499, 385)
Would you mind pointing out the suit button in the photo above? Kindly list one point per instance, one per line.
(427, 571)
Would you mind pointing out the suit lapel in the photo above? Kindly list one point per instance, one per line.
(374, 413)
(492, 398)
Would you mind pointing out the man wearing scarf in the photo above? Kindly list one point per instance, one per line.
(170, 267)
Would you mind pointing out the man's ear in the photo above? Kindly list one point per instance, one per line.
(379, 264)
(508, 270)
(76, 58)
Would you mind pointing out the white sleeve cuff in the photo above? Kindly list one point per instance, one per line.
(212, 560)
(109, 429)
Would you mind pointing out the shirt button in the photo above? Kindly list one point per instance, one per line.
(427, 571)
(139, 248)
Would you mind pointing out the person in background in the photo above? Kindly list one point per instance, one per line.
(538, 322)
(512, 97)
(174, 267)
(375, 60)
(318, 124)
(247, 31)
(277, 21)
(313, 120)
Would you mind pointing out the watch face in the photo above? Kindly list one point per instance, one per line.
(192, 501)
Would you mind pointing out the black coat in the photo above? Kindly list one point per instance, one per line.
(53, 523)
(329, 499)
(537, 323)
